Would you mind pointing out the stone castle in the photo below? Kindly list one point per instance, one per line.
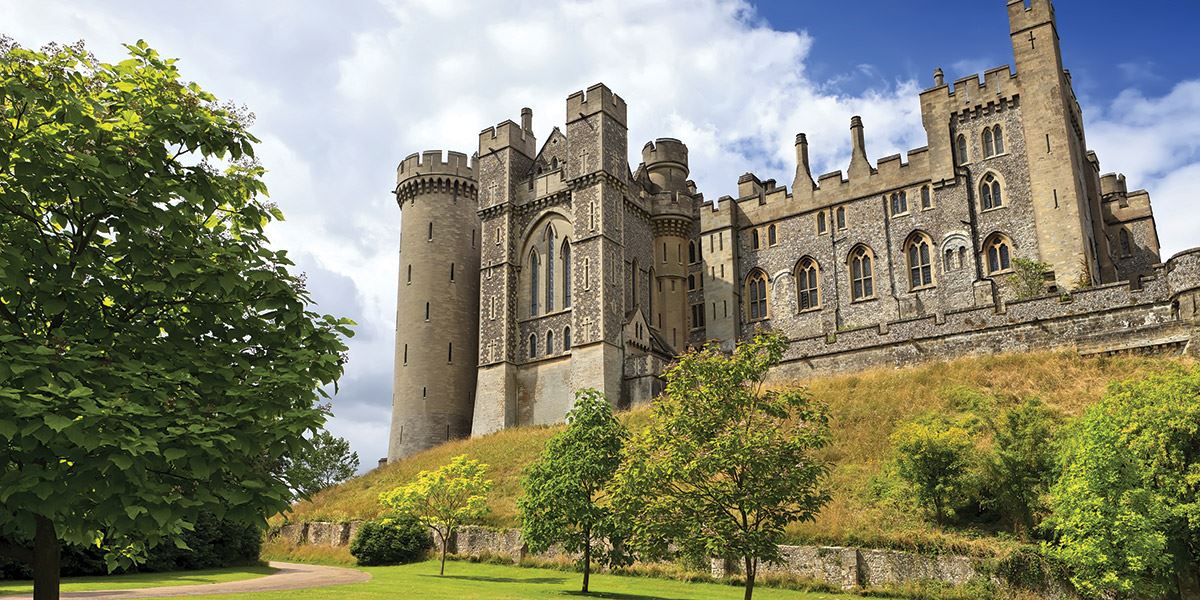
(527, 273)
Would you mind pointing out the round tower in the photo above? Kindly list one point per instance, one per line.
(437, 306)
(672, 218)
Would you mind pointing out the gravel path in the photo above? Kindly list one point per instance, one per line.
(290, 576)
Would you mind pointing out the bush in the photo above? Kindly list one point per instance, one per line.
(390, 542)
(937, 458)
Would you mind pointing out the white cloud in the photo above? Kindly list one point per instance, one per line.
(344, 91)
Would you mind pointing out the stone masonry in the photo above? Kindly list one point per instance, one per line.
(530, 272)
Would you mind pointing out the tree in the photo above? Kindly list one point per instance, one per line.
(1020, 467)
(935, 456)
(725, 463)
(444, 500)
(1029, 278)
(155, 354)
(1126, 508)
(326, 463)
(565, 499)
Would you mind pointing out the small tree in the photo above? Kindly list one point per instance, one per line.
(565, 499)
(1126, 509)
(724, 465)
(326, 463)
(445, 499)
(1028, 279)
(935, 457)
(1020, 467)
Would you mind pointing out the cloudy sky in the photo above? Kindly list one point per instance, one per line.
(344, 90)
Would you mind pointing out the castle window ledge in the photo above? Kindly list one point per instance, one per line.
(1008, 271)
(993, 209)
(931, 286)
(563, 311)
(991, 156)
(812, 309)
(865, 300)
(903, 214)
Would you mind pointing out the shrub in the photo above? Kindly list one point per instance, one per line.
(1029, 278)
(390, 542)
(936, 457)
(1020, 467)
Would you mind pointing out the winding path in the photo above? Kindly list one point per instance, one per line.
(290, 576)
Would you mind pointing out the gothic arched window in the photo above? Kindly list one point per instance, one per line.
(550, 342)
(532, 345)
(566, 272)
(821, 225)
(862, 275)
(998, 249)
(808, 290)
(754, 239)
(926, 200)
(998, 138)
(1126, 247)
(691, 283)
(691, 252)
(566, 338)
(756, 291)
(551, 241)
(960, 149)
(989, 192)
(534, 265)
(989, 149)
(772, 236)
(841, 217)
(920, 266)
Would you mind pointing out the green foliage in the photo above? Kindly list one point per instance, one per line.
(156, 355)
(1126, 509)
(936, 456)
(1028, 279)
(724, 465)
(326, 463)
(444, 499)
(1020, 466)
(390, 542)
(566, 499)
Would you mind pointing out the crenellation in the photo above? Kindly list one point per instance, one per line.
(591, 273)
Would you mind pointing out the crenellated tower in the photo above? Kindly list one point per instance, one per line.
(433, 389)
(672, 217)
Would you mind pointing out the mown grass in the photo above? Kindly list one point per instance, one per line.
(144, 580)
(865, 407)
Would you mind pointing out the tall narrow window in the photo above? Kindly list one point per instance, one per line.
(960, 148)
(754, 239)
(962, 256)
(472, 238)
(989, 149)
(691, 283)
(920, 267)
(807, 273)
(566, 338)
(949, 261)
(550, 342)
(691, 252)
(998, 138)
(406, 354)
(532, 345)
(989, 192)
(999, 253)
(533, 283)
(409, 274)
(633, 282)
(756, 291)
(450, 352)
(451, 271)
(697, 316)
(551, 242)
(861, 274)
(841, 217)
(926, 200)
(1126, 247)
(822, 226)
(899, 203)
(772, 235)
(426, 311)
(431, 231)
(566, 261)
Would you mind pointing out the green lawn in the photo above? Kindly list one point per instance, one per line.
(143, 580)
(468, 581)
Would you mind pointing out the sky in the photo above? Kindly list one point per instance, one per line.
(342, 91)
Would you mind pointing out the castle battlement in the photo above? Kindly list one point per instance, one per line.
(665, 151)
(598, 98)
(1026, 14)
(435, 162)
(507, 134)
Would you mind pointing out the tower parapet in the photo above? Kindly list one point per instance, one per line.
(666, 161)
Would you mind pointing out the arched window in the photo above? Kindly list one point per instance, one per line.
(532, 345)
(998, 138)
(1126, 247)
(926, 199)
(989, 192)
(691, 283)
(566, 338)
(989, 149)
(756, 291)
(998, 249)
(549, 342)
(899, 203)
(533, 282)
(949, 262)
(754, 239)
(822, 226)
(691, 252)
(807, 288)
(841, 217)
(772, 237)
(960, 149)
(962, 256)
(566, 261)
(862, 275)
(920, 267)
(551, 242)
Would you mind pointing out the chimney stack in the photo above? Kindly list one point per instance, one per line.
(527, 119)
(803, 180)
(859, 165)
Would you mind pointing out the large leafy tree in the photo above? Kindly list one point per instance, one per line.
(156, 355)
(1126, 508)
(444, 499)
(725, 463)
(566, 499)
(328, 462)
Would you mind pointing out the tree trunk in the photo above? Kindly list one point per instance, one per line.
(445, 543)
(46, 551)
(1187, 575)
(587, 556)
(751, 569)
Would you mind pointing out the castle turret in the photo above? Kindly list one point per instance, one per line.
(433, 389)
(666, 161)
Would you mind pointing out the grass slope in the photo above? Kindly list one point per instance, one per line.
(865, 407)
(143, 580)
(469, 581)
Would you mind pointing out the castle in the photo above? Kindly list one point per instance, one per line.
(527, 273)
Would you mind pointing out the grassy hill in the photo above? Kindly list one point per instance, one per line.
(865, 407)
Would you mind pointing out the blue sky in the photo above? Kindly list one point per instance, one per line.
(344, 90)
